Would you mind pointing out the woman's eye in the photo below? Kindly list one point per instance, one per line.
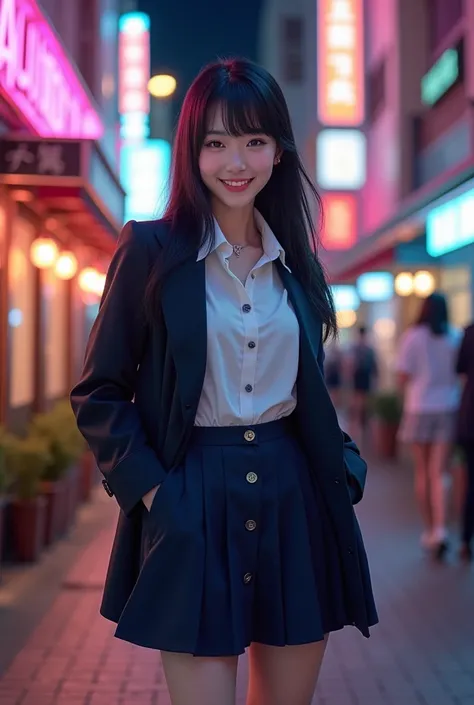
(256, 142)
(214, 144)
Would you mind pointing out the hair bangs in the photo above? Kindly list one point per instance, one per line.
(245, 110)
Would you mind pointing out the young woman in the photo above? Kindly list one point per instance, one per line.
(427, 371)
(203, 400)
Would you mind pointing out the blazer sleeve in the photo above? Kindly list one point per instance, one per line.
(102, 400)
(356, 467)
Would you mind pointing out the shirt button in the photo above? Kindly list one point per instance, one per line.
(250, 525)
(247, 578)
(248, 388)
(246, 308)
(252, 345)
(251, 477)
(252, 276)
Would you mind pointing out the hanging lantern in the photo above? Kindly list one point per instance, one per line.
(66, 265)
(423, 283)
(88, 279)
(43, 252)
(404, 284)
(92, 281)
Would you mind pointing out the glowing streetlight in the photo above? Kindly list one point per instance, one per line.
(162, 85)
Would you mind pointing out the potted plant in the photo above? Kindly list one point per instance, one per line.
(26, 459)
(387, 412)
(58, 429)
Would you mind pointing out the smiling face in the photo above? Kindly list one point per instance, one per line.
(235, 168)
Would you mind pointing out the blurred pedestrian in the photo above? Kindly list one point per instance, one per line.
(363, 372)
(237, 527)
(333, 371)
(465, 368)
(426, 366)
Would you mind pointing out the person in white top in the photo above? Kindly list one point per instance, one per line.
(203, 400)
(427, 371)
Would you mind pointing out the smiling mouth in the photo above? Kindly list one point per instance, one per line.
(236, 185)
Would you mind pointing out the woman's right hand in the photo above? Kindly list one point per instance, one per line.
(148, 498)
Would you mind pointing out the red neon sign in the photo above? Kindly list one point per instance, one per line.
(37, 78)
(134, 68)
(340, 221)
(340, 62)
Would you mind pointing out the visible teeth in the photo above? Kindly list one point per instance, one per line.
(237, 183)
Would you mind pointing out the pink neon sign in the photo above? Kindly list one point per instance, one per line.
(37, 78)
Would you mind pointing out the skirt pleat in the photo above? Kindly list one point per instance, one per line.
(257, 555)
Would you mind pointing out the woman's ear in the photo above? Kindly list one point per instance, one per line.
(278, 156)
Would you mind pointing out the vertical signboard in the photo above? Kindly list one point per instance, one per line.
(340, 63)
(134, 74)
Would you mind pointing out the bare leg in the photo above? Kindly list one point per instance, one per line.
(437, 470)
(200, 681)
(420, 457)
(284, 675)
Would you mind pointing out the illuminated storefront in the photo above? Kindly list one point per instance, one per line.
(61, 208)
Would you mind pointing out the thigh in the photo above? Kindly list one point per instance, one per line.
(195, 680)
(284, 675)
(420, 453)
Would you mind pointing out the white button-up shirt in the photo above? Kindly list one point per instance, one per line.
(252, 339)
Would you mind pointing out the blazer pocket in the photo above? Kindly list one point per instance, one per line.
(158, 519)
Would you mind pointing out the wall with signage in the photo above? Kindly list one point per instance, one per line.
(380, 192)
(37, 77)
(340, 143)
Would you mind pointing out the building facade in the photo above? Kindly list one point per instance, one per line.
(61, 202)
(415, 197)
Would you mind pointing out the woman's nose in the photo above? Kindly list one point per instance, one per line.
(236, 161)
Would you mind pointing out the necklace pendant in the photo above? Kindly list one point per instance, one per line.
(237, 249)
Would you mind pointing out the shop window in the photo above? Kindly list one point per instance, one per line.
(55, 312)
(292, 36)
(443, 17)
(21, 317)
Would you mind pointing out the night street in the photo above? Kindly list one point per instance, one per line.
(422, 653)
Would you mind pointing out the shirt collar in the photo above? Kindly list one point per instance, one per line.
(271, 247)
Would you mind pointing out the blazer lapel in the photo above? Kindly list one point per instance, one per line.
(318, 420)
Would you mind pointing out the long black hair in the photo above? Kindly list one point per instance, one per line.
(252, 102)
(434, 314)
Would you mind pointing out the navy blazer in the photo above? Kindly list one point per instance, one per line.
(138, 395)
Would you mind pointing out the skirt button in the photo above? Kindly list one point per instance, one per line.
(250, 525)
(251, 477)
(249, 435)
(247, 578)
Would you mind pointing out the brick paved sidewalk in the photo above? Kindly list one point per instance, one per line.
(422, 653)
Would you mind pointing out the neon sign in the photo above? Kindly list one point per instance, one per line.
(340, 63)
(37, 78)
(134, 74)
(340, 221)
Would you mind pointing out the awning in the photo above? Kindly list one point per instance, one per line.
(405, 226)
(70, 179)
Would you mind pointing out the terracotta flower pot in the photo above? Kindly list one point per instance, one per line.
(53, 493)
(3, 504)
(385, 435)
(87, 476)
(28, 520)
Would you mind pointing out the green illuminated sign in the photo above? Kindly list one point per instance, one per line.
(440, 77)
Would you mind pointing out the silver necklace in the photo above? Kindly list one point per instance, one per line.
(237, 249)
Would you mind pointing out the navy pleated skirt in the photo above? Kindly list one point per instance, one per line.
(238, 548)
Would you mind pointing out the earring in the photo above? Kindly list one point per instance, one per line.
(277, 160)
